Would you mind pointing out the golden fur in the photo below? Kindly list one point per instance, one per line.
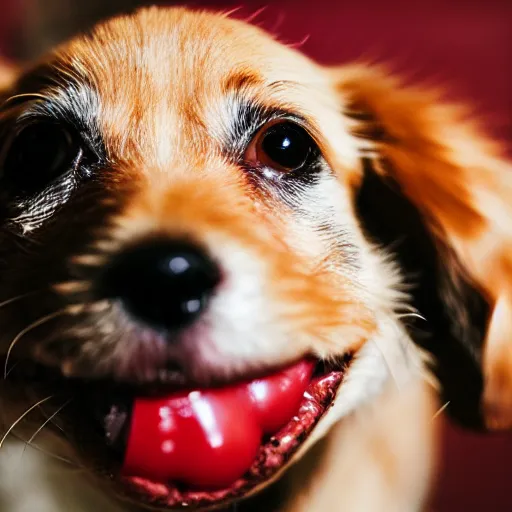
(165, 82)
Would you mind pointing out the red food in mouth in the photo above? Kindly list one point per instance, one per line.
(208, 438)
(192, 448)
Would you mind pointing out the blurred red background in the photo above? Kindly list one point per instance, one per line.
(466, 46)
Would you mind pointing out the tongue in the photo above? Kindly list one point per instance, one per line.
(208, 438)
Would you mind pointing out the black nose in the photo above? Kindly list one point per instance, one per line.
(165, 284)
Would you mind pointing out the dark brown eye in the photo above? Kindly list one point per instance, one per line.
(36, 156)
(284, 147)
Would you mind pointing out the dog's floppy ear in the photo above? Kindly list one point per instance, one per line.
(438, 192)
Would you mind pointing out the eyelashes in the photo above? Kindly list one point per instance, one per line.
(245, 119)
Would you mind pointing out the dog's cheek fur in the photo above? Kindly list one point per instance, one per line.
(451, 187)
(319, 226)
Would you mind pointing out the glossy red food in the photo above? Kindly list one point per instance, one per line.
(208, 438)
(276, 398)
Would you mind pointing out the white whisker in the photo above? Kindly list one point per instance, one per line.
(411, 315)
(22, 333)
(387, 361)
(49, 454)
(48, 420)
(28, 411)
(440, 411)
(38, 431)
(14, 299)
(11, 369)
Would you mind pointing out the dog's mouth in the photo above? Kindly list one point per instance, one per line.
(200, 448)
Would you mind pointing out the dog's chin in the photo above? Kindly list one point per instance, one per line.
(100, 417)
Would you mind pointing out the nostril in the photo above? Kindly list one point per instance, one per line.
(166, 284)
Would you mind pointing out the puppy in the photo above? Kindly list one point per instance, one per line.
(192, 210)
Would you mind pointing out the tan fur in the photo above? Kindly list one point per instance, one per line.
(163, 79)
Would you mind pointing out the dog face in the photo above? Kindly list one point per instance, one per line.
(188, 203)
(186, 159)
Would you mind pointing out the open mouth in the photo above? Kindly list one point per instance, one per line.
(201, 448)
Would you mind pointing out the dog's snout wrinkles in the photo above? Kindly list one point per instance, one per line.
(165, 284)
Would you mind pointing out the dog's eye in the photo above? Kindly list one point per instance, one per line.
(36, 156)
(283, 147)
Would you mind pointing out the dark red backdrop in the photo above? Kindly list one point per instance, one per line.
(465, 44)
